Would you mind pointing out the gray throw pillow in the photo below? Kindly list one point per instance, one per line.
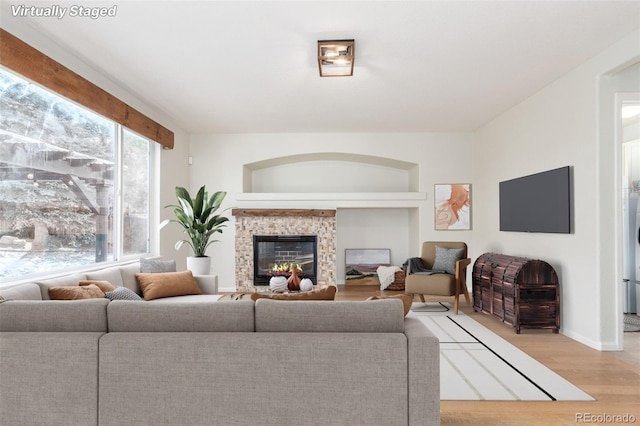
(446, 259)
(153, 266)
(122, 293)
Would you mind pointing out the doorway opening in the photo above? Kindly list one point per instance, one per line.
(629, 137)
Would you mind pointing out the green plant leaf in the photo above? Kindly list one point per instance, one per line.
(183, 193)
(199, 201)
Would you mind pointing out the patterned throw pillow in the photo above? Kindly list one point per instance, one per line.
(122, 293)
(446, 259)
(152, 266)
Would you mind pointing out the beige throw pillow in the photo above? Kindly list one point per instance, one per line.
(407, 300)
(167, 284)
(105, 286)
(90, 291)
(326, 293)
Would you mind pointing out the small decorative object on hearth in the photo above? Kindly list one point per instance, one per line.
(278, 284)
(306, 284)
(294, 280)
(290, 272)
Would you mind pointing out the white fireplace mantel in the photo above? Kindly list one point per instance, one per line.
(332, 199)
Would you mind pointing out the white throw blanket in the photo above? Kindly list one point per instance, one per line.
(386, 275)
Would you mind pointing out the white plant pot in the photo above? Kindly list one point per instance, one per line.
(199, 265)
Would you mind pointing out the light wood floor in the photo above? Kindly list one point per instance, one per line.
(614, 383)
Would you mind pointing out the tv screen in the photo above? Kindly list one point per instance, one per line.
(537, 203)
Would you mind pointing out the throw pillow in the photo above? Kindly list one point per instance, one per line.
(152, 266)
(326, 293)
(407, 300)
(90, 291)
(105, 286)
(446, 259)
(122, 293)
(167, 284)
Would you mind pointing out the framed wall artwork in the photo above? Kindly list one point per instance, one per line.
(452, 206)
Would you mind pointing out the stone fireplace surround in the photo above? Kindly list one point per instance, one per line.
(250, 222)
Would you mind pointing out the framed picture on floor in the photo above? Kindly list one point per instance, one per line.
(361, 265)
(452, 206)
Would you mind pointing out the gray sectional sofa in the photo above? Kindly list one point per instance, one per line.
(101, 362)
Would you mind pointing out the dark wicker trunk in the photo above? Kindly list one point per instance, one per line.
(519, 291)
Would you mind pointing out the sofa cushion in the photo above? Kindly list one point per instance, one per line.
(190, 298)
(88, 315)
(111, 274)
(90, 291)
(302, 379)
(128, 273)
(105, 286)
(216, 316)
(122, 293)
(382, 316)
(325, 293)
(28, 291)
(208, 284)
(155, 266)
(67, 280)
(167, 284)
(49, 378)
(446, 259)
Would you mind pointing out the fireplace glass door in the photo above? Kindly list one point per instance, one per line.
(274, 255)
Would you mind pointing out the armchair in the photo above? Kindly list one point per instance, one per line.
(447, 256)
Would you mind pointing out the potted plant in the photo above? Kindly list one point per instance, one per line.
(199, 221)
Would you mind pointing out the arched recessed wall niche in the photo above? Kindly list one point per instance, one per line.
(377, 200)
(330, 172)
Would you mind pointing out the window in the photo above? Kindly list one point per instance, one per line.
(74, 186)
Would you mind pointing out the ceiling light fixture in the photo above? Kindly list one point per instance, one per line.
(336, 57)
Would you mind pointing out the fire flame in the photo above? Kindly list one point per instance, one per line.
(285, 268)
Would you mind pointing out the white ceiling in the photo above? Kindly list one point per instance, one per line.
(421, 66)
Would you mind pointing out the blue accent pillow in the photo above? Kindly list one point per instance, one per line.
(122, 293)
(446, 259)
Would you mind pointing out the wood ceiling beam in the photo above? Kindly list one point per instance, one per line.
(34, 65)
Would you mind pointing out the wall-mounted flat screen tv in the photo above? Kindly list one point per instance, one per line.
(537, 203)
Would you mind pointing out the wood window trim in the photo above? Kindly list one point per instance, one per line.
(29, 62)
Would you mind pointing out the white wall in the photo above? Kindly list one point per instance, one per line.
(555, 127)
(218, 161)
(374, 228)
(174, 171)
(329, 176)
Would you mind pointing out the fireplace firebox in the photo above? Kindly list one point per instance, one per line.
(272, 251)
